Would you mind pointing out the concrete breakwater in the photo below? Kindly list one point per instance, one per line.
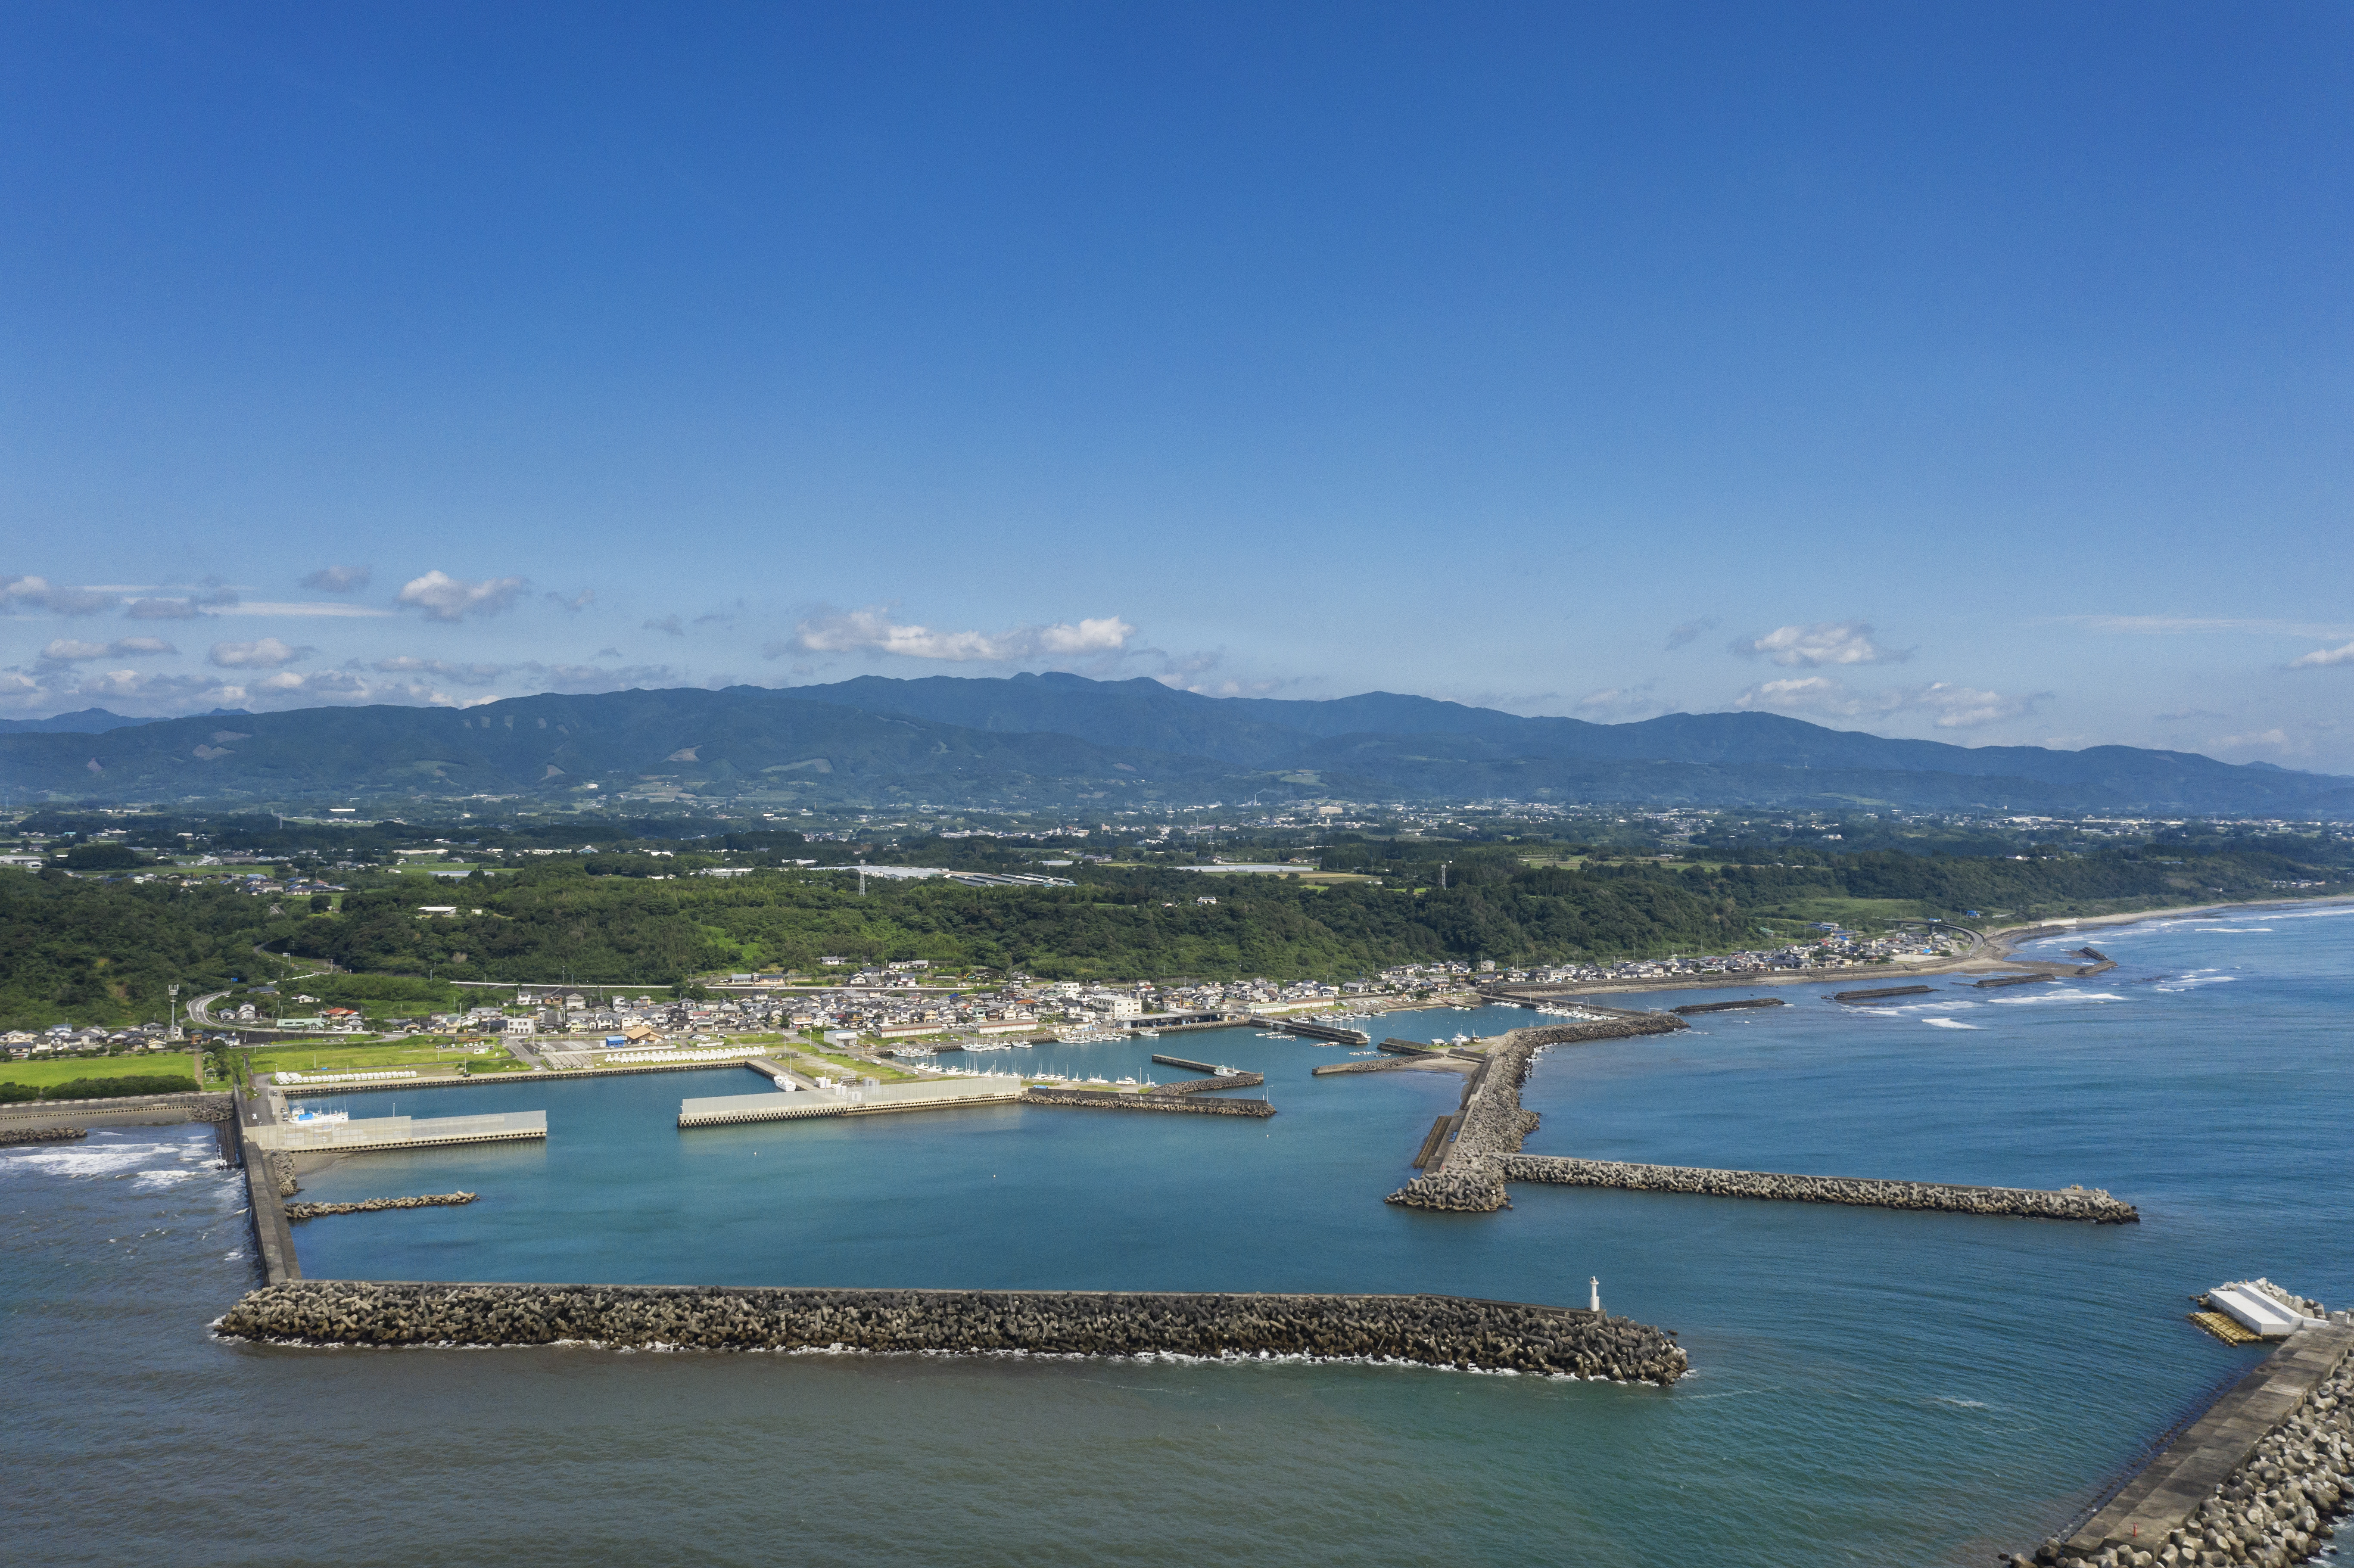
(1689, 1008)
(2064, 1203)
(41, 1135)
(1116, 1099)
(1882, 993)
(1209, 1069)
(375, 1205)
(1434, 1331)
(1202, 1086)
(2257, 1480)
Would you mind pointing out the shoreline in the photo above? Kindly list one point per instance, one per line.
(1993, 955)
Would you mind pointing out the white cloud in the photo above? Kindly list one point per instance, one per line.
(190, 608)
(874, 631)
(306, 609)
(2322, 657)
(1617, 704)
(1824, 642)
(265, 653)
(339, 580)
(39, 593)
(576, 604)
(2263, 740)
(69, 650)
(2180, 625)
(1946, 705)
(444, 597)
(468, 674)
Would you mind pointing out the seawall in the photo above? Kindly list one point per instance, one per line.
(122, 1110)
(1435, 1330)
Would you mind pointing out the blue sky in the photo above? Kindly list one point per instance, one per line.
(1978, 372)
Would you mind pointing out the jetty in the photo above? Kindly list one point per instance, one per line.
(298, 1212)
(1434, 1331)
(395, 1132)
(929, 1094)
(1688, 1008)
(1996, 982)
(1467, 1162)
(1206, 1068)
(1329, 1034)
(1143, 1101)
(1882, 994)
(2255, 1478)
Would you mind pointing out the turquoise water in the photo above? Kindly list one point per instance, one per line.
(1869, 1387)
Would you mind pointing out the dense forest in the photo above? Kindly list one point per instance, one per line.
(84, 951)
(101, 951)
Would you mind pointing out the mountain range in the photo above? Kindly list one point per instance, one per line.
(1035, 741)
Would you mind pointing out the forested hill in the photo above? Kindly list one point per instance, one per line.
(1030, 741)
(88, 950)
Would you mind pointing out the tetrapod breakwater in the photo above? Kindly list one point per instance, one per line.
(41, 1134)
(2089, 1203)
(1467, 1172)
(1433, 1331)
(376, 1206)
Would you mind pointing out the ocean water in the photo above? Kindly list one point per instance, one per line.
(1869, 1387)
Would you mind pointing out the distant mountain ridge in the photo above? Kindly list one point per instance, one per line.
(1030, 741)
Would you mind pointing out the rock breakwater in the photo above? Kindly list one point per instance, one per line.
(1115, 1100)
(2063, 1203)
(1434, 1331)
(41, 1135)
(374, 1206)
(1469, 1173)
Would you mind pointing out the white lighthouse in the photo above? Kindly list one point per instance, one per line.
(1595, 1281)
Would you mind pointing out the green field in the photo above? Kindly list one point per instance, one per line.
(64, 1069)
(339, 1057)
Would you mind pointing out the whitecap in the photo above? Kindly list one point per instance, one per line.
(152, 1179)
(2052, 996)
(86, 1159)
(1949, 1024)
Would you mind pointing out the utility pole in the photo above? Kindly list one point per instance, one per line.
(173, 1016)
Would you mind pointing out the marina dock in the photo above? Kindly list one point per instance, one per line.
(1327, 1032)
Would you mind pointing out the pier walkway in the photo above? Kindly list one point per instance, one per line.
(395, 1132)
(2185, 1474)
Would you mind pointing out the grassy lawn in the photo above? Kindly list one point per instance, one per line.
(147, 1063)
(337, 1056)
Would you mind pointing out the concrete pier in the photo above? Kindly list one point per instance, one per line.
(1329, 1034)
(397, 1132)
(1691, 1007)
(1883, 993)
(1118, 1100)
(929, 1094)
(1206, 1069)
(1434, 1331)
(2255, 1479)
